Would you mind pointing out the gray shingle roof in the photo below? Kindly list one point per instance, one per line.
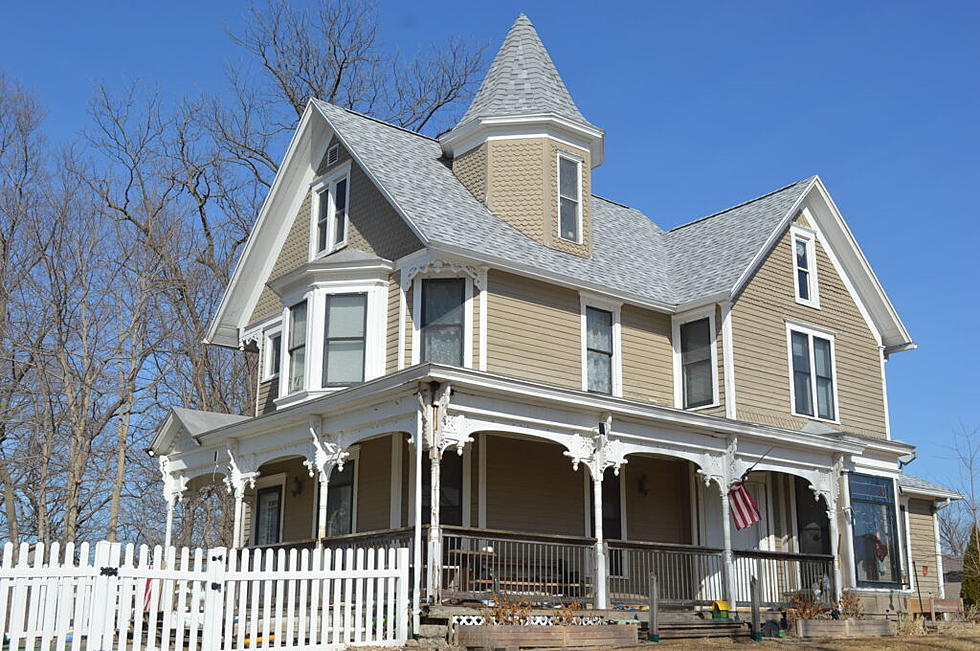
(522, 80)
(917, 485)
(630, 254)
(197, 422)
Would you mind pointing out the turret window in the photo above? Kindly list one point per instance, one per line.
(570, 199)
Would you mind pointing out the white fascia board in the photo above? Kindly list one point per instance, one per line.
(931, 493)
(163, 437)
(374, 179)
(530, 271)
(224, 331)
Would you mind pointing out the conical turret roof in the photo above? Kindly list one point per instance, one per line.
(523, 80)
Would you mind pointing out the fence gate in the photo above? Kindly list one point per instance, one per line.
(127, 598)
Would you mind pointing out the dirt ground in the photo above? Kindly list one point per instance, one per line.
(957, 637)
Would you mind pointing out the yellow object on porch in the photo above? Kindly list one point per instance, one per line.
(720, 609)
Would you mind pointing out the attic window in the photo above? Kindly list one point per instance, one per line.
(805, 267)
(569, 198)
(331, 197)
(333, 154)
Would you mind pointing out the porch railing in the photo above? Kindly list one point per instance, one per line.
(537, 567)
(781, 575)
(686, 575)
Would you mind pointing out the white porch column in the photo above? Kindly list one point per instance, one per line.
(728, 559)
(435, 532)
(847, 557)
(323, 485)
(236, 481)
(168, 536)
(834, 549)
(173, 490)
(236, 536)
(601, 564)
(418, 437)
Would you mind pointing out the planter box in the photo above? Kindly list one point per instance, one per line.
(843, 628)
(529, 637)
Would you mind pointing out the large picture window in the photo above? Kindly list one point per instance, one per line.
(297, 347)
(696, 363)
(599, 349)
(813, 375)
(876, 550)
(443, 324)
(345, 325)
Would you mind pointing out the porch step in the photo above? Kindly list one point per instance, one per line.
(700, 629)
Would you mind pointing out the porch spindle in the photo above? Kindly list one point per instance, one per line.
(601, 571)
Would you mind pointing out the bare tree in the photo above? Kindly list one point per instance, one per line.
(963, 516)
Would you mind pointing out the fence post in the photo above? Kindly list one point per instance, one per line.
(402, 606)
(214, 591)
(653, 634)
(756, 606)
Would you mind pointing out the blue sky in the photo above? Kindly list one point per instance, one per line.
(705, 105)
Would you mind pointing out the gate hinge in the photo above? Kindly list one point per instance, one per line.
(109, 571)
(215, 585)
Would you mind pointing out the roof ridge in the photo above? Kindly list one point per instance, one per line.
(608, 200)
(744, 203)
(378, 120)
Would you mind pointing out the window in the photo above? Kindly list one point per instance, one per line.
(813, 375)
(297, 347)
(340, 500)
(345, 326)
(569, 199)
(876, 551)
(697, 368)
(268, 515)
(450, 489)
(443, 320)
(273, 354)
(804, 262)
(331, 214)
(599, 349)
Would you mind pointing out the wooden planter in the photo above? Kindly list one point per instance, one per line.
(843, 628)
(528, 637)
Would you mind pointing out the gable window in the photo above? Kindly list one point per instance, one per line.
(599, 349)
(331, 198)
(442, 329)
(813, 383)
(296, 352)
(804, 265)
(273, 354)
(345, 327)
(697, 366)
(876, 550)
(570, 199)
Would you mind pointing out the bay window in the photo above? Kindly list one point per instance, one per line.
(876, 540)
(812, 385)
(697, 363)
(297, 347)
(344, 341)
(442, 320)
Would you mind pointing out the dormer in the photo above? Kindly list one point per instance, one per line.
(525, 150)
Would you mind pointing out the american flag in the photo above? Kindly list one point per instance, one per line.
(744, 510)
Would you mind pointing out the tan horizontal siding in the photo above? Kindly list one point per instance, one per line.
(298, 508)
(762, 372)
(663, 512)
(647, 356)
(531, 487)
(268, 392)
(394, 309)
(374, 484)
(922, 534)
(534, 330)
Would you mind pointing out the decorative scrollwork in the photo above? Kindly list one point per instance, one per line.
(599, 451)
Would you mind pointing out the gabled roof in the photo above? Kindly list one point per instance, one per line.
(191, 422)
(523, 80)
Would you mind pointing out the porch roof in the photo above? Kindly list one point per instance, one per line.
(910, 485)
(402, 383)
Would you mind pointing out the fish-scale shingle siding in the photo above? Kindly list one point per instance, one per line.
(762, 372)
(471, 170)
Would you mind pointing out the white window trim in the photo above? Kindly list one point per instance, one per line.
(587, 300)
(578, 165)
(267, 336)
(467, 314)
(328, 183)
(811, 331)
(809, 238)
(677, 321)
(269, 481)
(374, 335)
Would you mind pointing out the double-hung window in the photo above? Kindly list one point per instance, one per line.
(297, 347)
(876, 546)
(345, 327)
(599, 349)
(812, 357)
(697, 367)
(443, 325)
(804, 265)
(273, 355)
(570, 199)
(331, 215)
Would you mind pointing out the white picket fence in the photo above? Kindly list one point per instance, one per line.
(112, 596)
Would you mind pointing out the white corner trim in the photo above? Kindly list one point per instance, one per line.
(676, 321)
(484, 336)
(940, 574)
(728, 359)
(587, 300)
(402, 315)
(884, 394)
